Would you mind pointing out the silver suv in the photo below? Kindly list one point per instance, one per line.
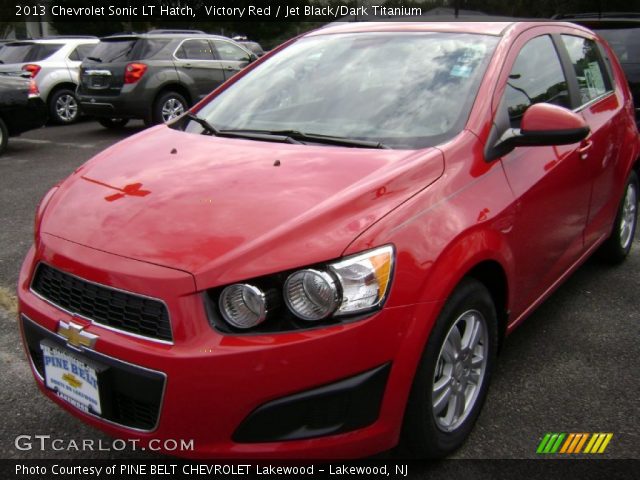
(54, 63)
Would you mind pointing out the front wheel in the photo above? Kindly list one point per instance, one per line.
(168, 106)
(63, 107)
(616, 248)
(453, 376)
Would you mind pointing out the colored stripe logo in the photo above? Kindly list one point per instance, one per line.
(568, 443)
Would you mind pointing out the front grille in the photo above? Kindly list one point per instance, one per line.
(130, 396)
(104, 305)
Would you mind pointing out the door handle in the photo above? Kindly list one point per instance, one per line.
(584, 148)
(187, 65)
(229, 68)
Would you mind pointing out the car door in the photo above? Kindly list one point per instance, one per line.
(550, 184)
(603, 111)
(233, 57)
(195, 58)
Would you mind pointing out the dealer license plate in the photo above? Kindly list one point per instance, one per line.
(73, 378)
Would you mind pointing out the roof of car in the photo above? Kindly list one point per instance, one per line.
(497, 28)
(54, 40)
(599, 16)
(163, 35)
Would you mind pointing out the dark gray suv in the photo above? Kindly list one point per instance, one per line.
(155, 76)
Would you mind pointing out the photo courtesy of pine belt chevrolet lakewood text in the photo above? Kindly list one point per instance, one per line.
(322, 258)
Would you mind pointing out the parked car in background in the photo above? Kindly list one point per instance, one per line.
(155, 76)
(322, 259)
(622, 31)
(21, 107)
(252, 46)
(54, 63)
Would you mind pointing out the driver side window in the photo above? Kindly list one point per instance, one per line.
(536, 77)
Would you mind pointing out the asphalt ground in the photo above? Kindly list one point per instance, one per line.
(571, 367)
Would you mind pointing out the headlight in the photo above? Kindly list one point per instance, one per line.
(311, 295)
(322, 293)
(364, 280)
(243, 306)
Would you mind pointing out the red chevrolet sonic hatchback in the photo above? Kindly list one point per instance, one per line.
(322, 257)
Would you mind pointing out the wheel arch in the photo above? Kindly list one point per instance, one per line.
(494, 277)
(481, 254)
(61, 86)
(173, 87)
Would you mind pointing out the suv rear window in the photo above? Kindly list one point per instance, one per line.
(625, 42)
(28, 52)
(127, 48)
(108, 51)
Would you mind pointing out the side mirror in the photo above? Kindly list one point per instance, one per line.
(542, 124)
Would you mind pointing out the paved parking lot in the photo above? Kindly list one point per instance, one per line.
(572, 367)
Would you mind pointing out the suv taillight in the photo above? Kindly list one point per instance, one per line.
(33, 88)
(32, 68)
(134, 72)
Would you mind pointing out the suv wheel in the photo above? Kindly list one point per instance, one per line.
(168, 106)
(63, 107)
(113, 123)
(453, 375)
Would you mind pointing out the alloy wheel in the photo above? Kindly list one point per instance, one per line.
(67, 107)
(460, 370)
(171, 109)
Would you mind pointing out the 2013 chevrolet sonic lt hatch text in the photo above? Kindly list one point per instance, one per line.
(321, 258)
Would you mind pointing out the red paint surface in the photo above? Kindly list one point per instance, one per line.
(218, 212)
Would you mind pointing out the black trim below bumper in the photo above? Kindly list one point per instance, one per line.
(339, 407)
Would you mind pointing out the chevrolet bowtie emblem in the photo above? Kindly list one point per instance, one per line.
(75, 335)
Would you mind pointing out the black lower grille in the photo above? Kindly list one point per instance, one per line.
(130, 396)
(104, 305)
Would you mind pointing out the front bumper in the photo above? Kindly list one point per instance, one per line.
(215, 383)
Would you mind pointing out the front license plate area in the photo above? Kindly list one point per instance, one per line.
(74, 378)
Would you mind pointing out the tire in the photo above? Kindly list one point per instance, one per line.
(616, 248)
(433, 426)
(168, 106)
(4, 136)
(63, 107)
(113, 123)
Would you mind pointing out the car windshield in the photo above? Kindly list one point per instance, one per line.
(625, 42)
(403, 90)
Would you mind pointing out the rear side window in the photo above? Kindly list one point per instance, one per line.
(28, 52)
(108, 51)
(230, 52)
(80, 52)
(592, 79)
(536, 77)
(148, 48)
(196, 49)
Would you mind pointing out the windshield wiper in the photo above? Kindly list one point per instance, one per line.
(203, 123)
(249, 134)
(95, 59)
(328, 139)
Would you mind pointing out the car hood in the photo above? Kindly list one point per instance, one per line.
(230, 209)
